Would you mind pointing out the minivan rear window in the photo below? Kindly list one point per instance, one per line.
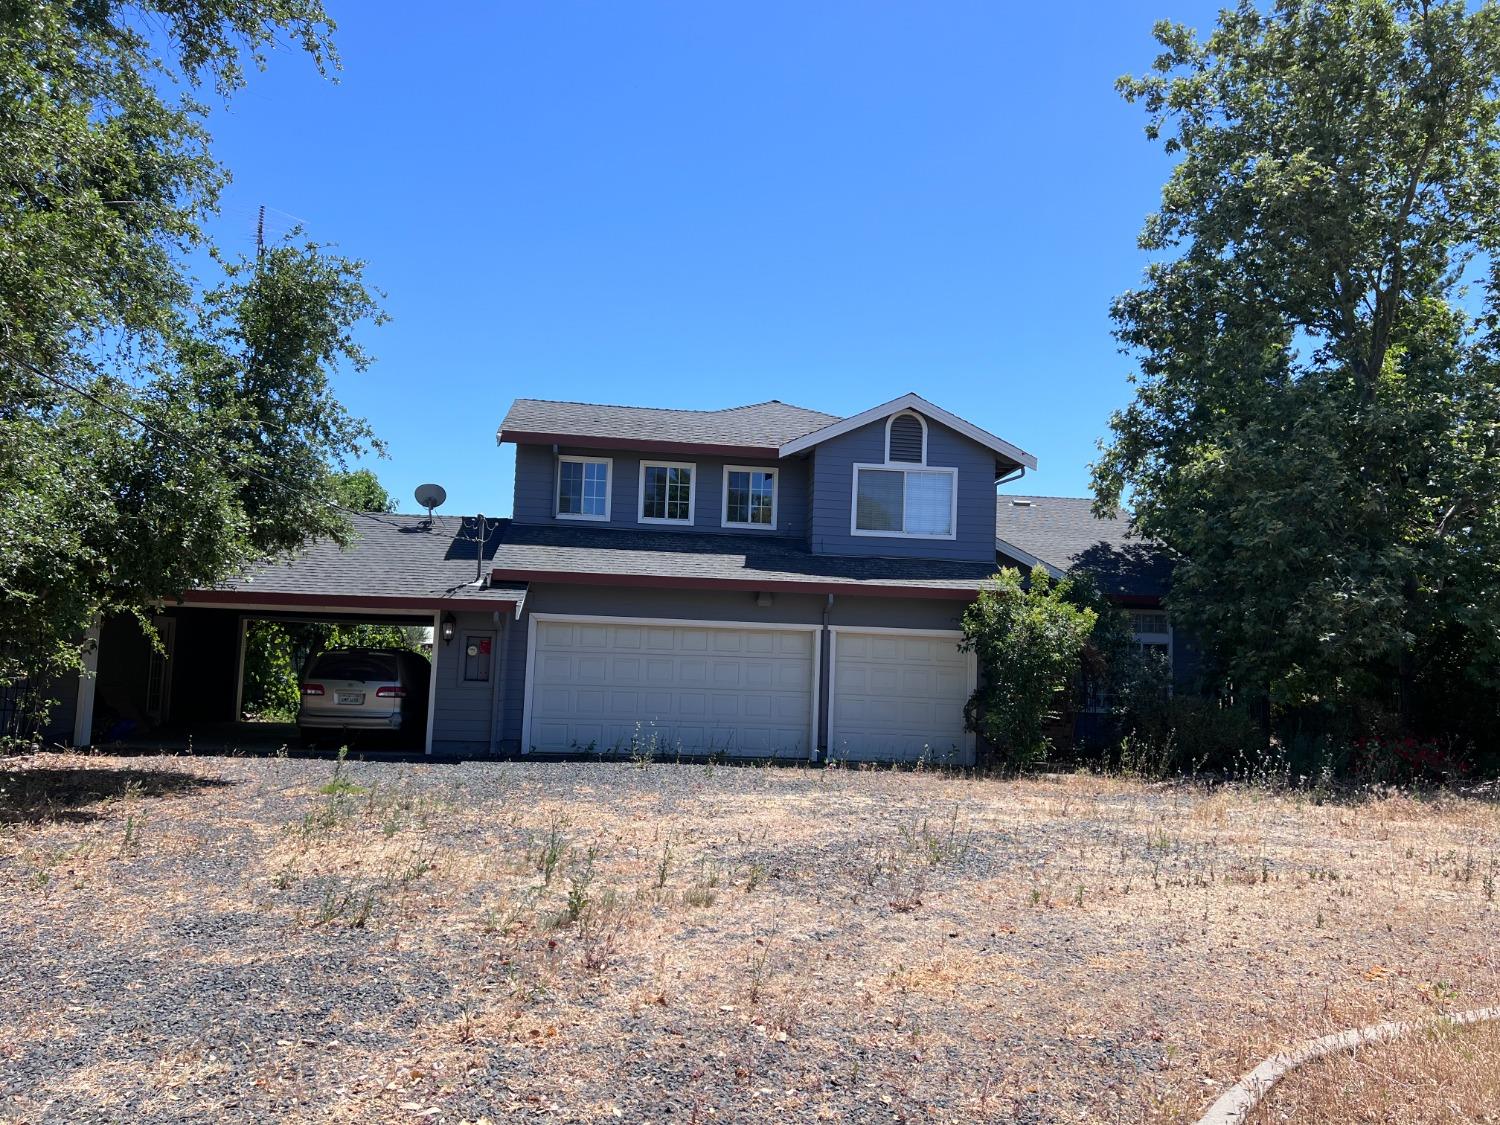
(349, 665)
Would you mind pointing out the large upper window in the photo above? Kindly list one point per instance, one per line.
(915, 502)
(583, 488)
(905, 496)
(749, 497)
(667, 490)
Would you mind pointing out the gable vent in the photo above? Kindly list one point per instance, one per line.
(905, 439)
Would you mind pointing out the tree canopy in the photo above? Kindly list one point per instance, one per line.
(361, 491)
(1316, 425)
(157, 432)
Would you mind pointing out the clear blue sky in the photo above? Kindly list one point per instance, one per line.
(703, 205)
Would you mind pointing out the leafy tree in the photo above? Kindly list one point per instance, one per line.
(361, 491)
(1028, 638)
(154, 436)
(1316, 425)
(275, 651)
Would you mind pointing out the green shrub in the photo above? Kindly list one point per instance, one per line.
(1028, 639)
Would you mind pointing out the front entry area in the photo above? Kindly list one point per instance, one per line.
(637, 686)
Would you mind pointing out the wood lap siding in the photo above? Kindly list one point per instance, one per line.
(833, 484)
(536, 482)
(461, 719)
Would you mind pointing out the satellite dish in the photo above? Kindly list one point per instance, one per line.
(431, 496)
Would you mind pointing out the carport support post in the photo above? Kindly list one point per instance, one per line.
(432, 679)
(83, 706)
(239, 672)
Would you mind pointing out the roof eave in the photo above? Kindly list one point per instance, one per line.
(752, 585)
(641, 445)
(915, 402)
(393, 603)
(1023, 556)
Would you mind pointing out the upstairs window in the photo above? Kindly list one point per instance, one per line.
(583, 488)
(892, 499)
(749, 497)
(919, 503)
(667, 492)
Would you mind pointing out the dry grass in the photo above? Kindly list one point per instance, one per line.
(1445, 1076)
(210, 938)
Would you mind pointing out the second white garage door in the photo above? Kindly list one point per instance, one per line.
(898, 696)
(612, 686)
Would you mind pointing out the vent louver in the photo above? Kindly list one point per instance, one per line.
(905, 439)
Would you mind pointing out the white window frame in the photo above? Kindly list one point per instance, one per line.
(903, 467)
(775, 475)
(891, 421)
(640, 490)
(609, 487)
(1141, 639)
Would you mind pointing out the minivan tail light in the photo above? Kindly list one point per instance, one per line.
(390, 693)
(312, 689)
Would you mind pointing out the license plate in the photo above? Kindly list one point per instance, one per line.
(354, 697)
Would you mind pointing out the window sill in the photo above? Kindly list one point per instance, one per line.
(900, 535)
(581, 516)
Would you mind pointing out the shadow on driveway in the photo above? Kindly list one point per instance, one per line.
(38, 794)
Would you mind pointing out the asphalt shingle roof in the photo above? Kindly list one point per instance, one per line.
(1063, 532)
(392, 556)
(763, 424)
(536, 551)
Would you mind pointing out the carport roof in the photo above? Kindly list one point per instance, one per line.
(599, 556)
(395, 562)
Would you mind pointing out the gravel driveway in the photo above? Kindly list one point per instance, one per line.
(228, 939)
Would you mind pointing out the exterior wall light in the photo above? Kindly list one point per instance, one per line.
(449, 623)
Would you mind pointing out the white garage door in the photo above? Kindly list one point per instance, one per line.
(605, 686)
(899, 696)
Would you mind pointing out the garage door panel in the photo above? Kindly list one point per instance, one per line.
(694, 688)
(590, 636)
(586, 670)
(760, 676)
(898, 696)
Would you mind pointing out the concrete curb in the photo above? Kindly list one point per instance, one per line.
(1244, 1095)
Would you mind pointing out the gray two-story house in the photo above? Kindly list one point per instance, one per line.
(763, 580)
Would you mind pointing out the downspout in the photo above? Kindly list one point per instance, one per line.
(825, 703)
(1020, 472)
(497, 670)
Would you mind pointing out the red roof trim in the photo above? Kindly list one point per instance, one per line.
(681, 582)
(582, 441)
(356, 601)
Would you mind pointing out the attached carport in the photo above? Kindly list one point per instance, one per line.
(401, 570)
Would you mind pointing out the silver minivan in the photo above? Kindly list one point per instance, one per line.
(364, 689)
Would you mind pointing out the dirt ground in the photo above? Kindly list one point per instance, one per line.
(209, 939)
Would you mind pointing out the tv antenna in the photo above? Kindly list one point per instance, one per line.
(431, 496)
